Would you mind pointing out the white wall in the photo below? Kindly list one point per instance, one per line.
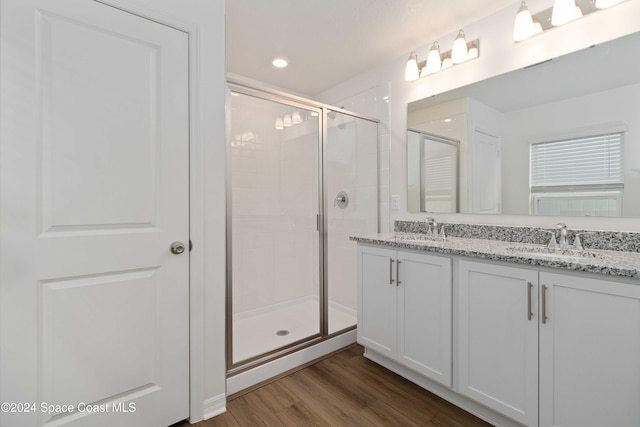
(584, 112)
(498, 55)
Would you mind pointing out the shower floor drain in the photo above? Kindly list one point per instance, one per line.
(282, 333)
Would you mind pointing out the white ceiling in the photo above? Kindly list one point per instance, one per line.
(328, 41)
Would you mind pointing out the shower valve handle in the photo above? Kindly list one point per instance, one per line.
(341, 200)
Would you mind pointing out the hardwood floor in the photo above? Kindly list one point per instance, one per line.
(343, 390)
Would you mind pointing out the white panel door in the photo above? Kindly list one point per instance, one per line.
(498, 339)
(94, 189)
(589, 353)
(485, 183)
(377, 300)
(424, 315)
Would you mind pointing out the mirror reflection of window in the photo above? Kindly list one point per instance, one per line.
(578, 176)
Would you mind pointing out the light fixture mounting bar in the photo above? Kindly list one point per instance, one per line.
(444, 55)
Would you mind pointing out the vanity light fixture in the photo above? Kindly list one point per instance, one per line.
(523, 27)
(287, 120)
(279, 123)
(296, 118)
(562, 12)
(459, 50)
(411, 72)
(436, 61)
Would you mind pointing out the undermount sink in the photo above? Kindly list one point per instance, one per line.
(555, 252)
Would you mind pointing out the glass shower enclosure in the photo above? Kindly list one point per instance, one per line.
(302, 177)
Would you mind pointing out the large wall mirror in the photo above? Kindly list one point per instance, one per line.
(556, 138)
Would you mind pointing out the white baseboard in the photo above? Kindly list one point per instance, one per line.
(276, 367)
(214, 406)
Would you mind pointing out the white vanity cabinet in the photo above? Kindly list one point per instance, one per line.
(589, 352)
(566, 348)
(497, 338)
(404, 310)
(527, 346)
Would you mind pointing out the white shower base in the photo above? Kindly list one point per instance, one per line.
(254, 332)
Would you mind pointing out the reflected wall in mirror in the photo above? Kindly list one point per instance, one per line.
(557, 138)
(433, 179)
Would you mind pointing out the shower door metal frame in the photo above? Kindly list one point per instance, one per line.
(322, 109)
(424, 135)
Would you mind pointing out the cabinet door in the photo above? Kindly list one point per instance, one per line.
(589, 353)
(377, 300)
(498, 339)
(424, 315)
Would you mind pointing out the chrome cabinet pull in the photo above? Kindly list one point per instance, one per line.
(391, 271)
(544, 304)
(529, 288)
(398, 272)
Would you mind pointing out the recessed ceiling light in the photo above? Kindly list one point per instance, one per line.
(280, 63)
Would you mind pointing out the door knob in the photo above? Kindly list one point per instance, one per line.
(177, 248)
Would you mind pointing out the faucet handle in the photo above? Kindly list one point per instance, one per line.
(577, 243)
(552, 242)
(442, 233)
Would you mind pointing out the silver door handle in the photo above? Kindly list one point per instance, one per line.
(529, 288)
(398, 262)
(544, 305)
(391, 271)
(177, 248)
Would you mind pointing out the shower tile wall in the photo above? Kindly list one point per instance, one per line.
(375, 103)
(275, 201)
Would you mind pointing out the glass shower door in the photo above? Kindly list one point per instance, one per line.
(275, 268)
(351, 206)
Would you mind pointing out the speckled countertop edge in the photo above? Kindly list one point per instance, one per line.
(591, 239)
(612, 263)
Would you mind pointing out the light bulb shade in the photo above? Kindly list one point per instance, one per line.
(523, 26)
(411, 72)
(601, 4)
(296, 118)
(537, 27)
(578, 12)
(287, 121)
(434, 62)
(563, 11)
(447, 63)
(459, 51)
(473, 53)
(279, 123)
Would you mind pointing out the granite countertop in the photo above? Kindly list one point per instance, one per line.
(613, 263)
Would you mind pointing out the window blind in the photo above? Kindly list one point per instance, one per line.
(592, 163)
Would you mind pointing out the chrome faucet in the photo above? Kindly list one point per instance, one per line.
(432, 229)
(563, 233)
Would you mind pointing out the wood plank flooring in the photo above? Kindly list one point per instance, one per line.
(343, 390)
